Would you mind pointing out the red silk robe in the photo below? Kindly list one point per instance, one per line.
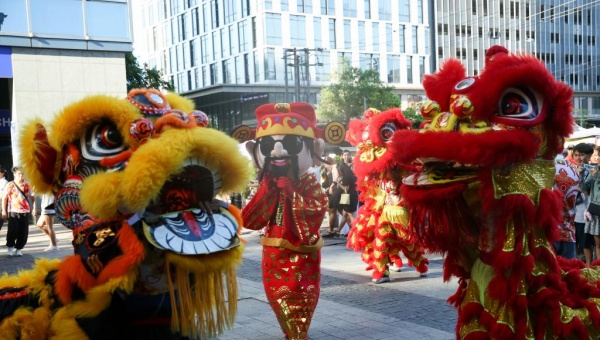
(291, 248)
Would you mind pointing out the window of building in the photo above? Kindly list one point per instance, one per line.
(205, 17)
(404, 10)
(242, 40)
(345, 57)
(375, 34)
(214, 73)
(421, 67)
(474, 7)
(246, 69)
(180, 85)
(270, 73)
(268, 4)
(285, 6)
(369, 61)
(95, 19)
(332, 38)
(256, 67)
(304, 6)
(195, 22)
(485, 7)
(254, 32)
(229, 11)
(347, 35)
(66, 18)
(322, 67)
(350, 8)
(328, 7)
(233, 43)
(214, 14)
(245, 8)
(226, 69)
(193, 53)
(273, 28)
(401, 38)
(317, 32)
(426, 40)
(409, 69)
(591, 40)
(420, 11)
(298, 30)
(501, 9)
(393, 66)
(367, 6)
(415, 39)
(189, 80)
(215, 45)
(196, 80)
(385, 10)
(224, 42)
(361, 36)
(514, 10)
(554, 38)
(566, 14)
(238, 67)
(389, 46)
(204, 49)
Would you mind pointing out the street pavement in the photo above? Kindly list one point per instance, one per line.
(350, 307)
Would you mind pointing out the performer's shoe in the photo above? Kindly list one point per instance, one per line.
(383, 279)
(329, 235)
(423, 274)
(395, 269)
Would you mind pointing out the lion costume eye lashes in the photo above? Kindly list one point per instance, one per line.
(518, 104)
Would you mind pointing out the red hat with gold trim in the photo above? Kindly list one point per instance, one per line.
(287, 119)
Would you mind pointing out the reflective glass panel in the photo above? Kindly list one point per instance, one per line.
(13, 16)
(107, 20)
(57, 17)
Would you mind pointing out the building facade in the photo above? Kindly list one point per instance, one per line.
(564, 34)
(55, 52)
(232, 55)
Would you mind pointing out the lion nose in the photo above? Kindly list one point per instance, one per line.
(278, 150)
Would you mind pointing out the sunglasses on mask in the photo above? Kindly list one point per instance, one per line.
(291, 143)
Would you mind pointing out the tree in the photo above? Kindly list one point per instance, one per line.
(351, 91)
(138, 77)
(413, 113)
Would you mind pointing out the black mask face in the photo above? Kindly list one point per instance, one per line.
(291, 143)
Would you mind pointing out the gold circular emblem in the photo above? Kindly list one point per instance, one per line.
(241, 133)
(335, 132)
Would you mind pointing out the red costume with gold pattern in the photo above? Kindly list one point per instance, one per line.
(381, 230)
(291, 205)
(485, 198)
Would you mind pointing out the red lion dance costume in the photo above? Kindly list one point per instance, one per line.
(485, 198)
(381, 229)
(291, 204)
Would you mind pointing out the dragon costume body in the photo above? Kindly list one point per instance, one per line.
(381, 230)
(290, 204)
(485, 199)
(154, 254)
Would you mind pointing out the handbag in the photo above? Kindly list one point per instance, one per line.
(345, 199)
(594, 209)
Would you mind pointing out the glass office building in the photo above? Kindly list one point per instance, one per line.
(53, 52)
(564, 34)
(232, 55)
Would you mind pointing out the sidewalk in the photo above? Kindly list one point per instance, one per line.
(350, 306)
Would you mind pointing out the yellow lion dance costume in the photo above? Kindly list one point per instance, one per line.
(154, 254)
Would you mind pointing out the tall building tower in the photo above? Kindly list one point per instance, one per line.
(55, 52)
(563, 34)
(232, 55)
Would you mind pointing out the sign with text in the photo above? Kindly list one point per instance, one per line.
(4, 122)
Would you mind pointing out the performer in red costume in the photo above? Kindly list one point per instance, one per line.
(381, 230)
(291, 204)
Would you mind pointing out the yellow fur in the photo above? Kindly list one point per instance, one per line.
(77, 117)
(180, 103)
(29, 160)
(105, 185)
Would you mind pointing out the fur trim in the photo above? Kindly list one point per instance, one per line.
(179, 102)
(39, 160)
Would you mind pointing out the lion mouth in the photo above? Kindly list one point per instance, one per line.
(178, 221)
(437, 173)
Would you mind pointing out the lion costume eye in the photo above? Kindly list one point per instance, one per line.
(518, 104)
(387, 131)
(101, 140)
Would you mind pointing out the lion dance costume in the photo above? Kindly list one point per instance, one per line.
(154, 255)
(485, 198)
(291, 204)
(381, 230)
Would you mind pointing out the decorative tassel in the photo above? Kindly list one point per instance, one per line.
(203, 293)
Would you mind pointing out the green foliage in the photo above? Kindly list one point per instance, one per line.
(413, 114)
(351, 90)
(138, 77)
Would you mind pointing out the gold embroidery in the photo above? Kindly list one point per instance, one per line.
(102, 235)
(528, 179)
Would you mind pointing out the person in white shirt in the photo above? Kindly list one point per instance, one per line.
(3, 183)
